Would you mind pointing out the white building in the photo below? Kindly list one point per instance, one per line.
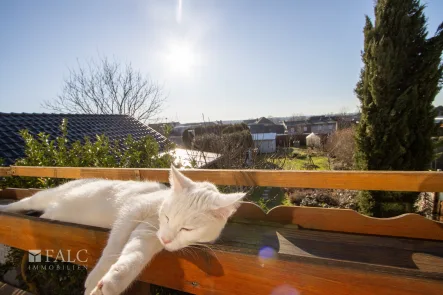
(265, 142)
(313, 140)
(191, 158)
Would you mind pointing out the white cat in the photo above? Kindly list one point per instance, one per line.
(145, 218)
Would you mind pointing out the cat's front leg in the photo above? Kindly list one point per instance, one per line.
(119, 236)
(137, 253)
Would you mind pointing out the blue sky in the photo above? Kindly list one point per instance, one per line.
(226, 59)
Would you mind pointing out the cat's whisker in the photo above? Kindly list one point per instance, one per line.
(195, 252)
(205, 246)
(192, 252)
(146, 222)
(208, 255)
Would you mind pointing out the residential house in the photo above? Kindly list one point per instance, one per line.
(315, 124)
(264, 133)
(297, 127)
(264, 125)
(322, 124)
(346, 120)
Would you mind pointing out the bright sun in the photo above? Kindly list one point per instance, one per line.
(181, 58)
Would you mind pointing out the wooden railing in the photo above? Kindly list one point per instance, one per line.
(316, 250)
(353, 180)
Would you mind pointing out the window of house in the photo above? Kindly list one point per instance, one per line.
(305, 128)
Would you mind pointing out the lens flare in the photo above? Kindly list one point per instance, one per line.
(266, 253)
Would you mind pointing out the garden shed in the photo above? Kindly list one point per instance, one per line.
(313, 140)
(265, 142)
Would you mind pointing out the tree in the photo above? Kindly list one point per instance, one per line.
(401, 76)
(340, 145)
(107, 87)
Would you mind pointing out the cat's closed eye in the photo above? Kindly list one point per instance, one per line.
(186, 229)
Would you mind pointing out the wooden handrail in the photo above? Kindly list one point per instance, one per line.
(422, 181)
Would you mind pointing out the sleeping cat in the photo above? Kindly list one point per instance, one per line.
(144, 217)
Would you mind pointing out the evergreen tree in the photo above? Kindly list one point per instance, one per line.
(401, 76)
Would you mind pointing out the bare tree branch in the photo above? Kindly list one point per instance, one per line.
(107, 87)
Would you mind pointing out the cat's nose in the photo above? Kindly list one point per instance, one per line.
(165, 241)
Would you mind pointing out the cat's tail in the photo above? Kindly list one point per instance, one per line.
(38, 202)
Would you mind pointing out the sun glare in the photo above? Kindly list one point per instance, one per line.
(181, 58)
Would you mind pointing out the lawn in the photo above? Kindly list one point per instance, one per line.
(300, 159)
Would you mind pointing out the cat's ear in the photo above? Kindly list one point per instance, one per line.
(227, 205)
(178, 181)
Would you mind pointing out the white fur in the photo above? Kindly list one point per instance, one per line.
(145, 218)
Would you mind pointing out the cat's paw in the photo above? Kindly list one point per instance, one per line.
(98, 289)
(104, 288)
(94, 277)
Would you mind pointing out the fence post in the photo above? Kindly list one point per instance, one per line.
(437, 206)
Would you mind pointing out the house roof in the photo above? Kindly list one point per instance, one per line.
(264, 128)
(116, 127)
(295, 123)
(320, 119)
(263, 120)
(311, 121)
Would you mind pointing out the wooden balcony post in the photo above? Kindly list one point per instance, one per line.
(437, 205)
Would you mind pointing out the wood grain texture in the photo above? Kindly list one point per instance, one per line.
(354, 180)
(311, 262)
(4, 171)
(325, 219)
